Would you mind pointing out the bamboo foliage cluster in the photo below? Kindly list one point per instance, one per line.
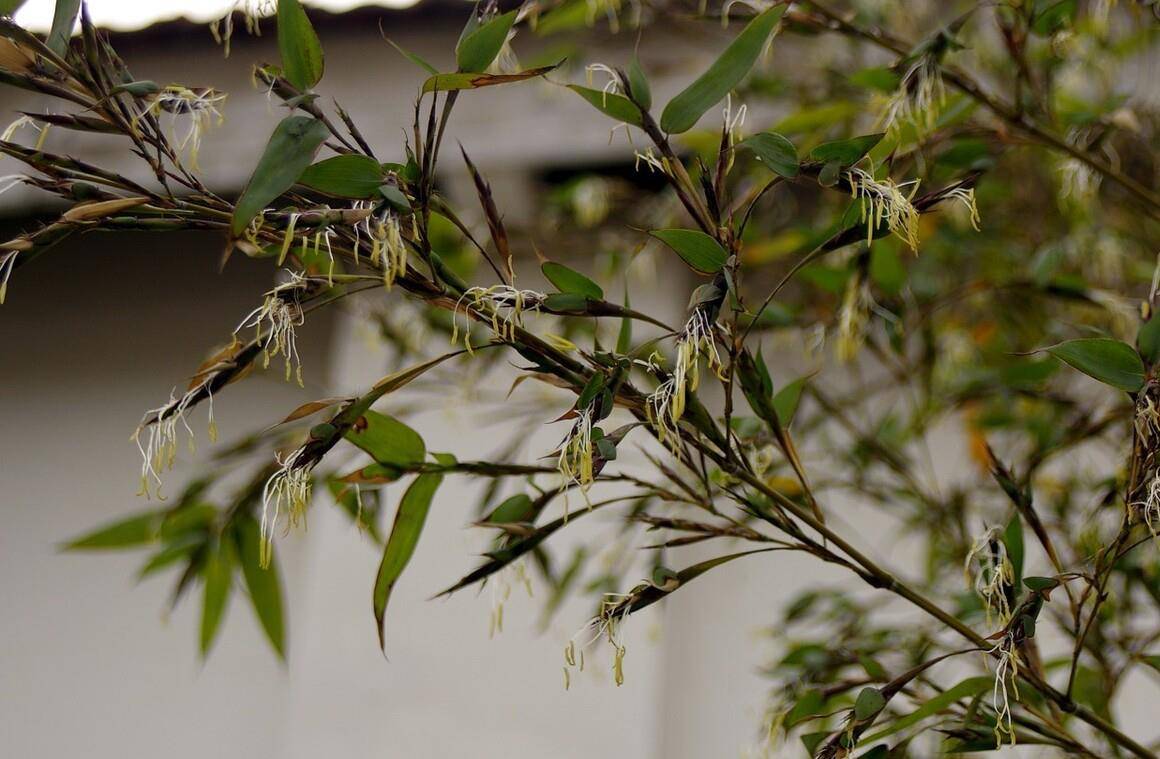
(965, 221)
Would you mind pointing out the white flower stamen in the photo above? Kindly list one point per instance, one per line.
(280, 315)
(288, 489)
(884, 202)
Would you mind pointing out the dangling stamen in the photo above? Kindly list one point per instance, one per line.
(989, 570)
(884, 201)
(918, 99)
(666, 405)
(200, 107)
(288, 489)
(280, 314)
(1006, 670)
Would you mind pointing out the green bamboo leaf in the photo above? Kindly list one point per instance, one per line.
(289, 151)
(1110, 361)
(345, 176)
(401, 544)
(9, 7)
(518, 508)
(302, 60)
(624, 336)
(775, 151)
(139, 529)
(264, 585)
(845, 152)
(610, 104)
(638, 84)
(388, 440)
(786, 400)
(1152, 660)
(870, 701)
(478, 48)
(685, 109)
(1013, 541)
(1148, 339)
(217, 575)
(471, 81)
(1041, 583)
(571, 281)
(64, 20)
(698, 249)
(965, 689)
(415, 59)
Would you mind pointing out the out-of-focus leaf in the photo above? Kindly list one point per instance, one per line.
(965, 689)
(698, 249)
(1109, 361)
(610, 104)
(136, 530)
(401, 544)
(9, 7)
(471, 81)
(64, 20)
(302, 61)
(264, 585)
(1041, 583)
(387, 440)
(1152, 660)
(217, 575)
(571, 281)
(345, 176)
(727, 71)
(870, 701)
(845, 152)
(290, 150)
(886, 267)
(775, 151)
(518, 508)
(478, 49)
(624, 336)
(1148, 339)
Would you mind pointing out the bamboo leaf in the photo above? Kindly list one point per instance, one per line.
(571, 281)
(401, 544)
(610, 104)
(638, 84)
(345, 176)
(64, 20)
(1148, 339)
(786, 400)
(965, 689)
(471, 81)
(698, 249)
(870, 701)
(1013, 541)
(136, 530)
(387, 440)
(216, 574)
(775, 151)
(845, 152)
(264, 585)
(302, 59)
(415, 59)
(685, 109)
(1109, 361)
(289, 151)
(9, 7)
(478, 49)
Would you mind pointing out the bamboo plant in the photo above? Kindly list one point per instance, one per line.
(952, 225)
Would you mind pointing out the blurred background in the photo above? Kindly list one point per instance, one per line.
(100, 330)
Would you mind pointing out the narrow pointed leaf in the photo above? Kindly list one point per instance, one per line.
(685, 109)
(698, 249)
(478, 49)
(638, 84)
(216, 574)
(966, 689)
(569, 280)
(264, 585)
(401, 544)
(845, 152)
(471, 81)
(610, 104)
(1109, 361)
(302, 61)
(786, 400)
(136, 530)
